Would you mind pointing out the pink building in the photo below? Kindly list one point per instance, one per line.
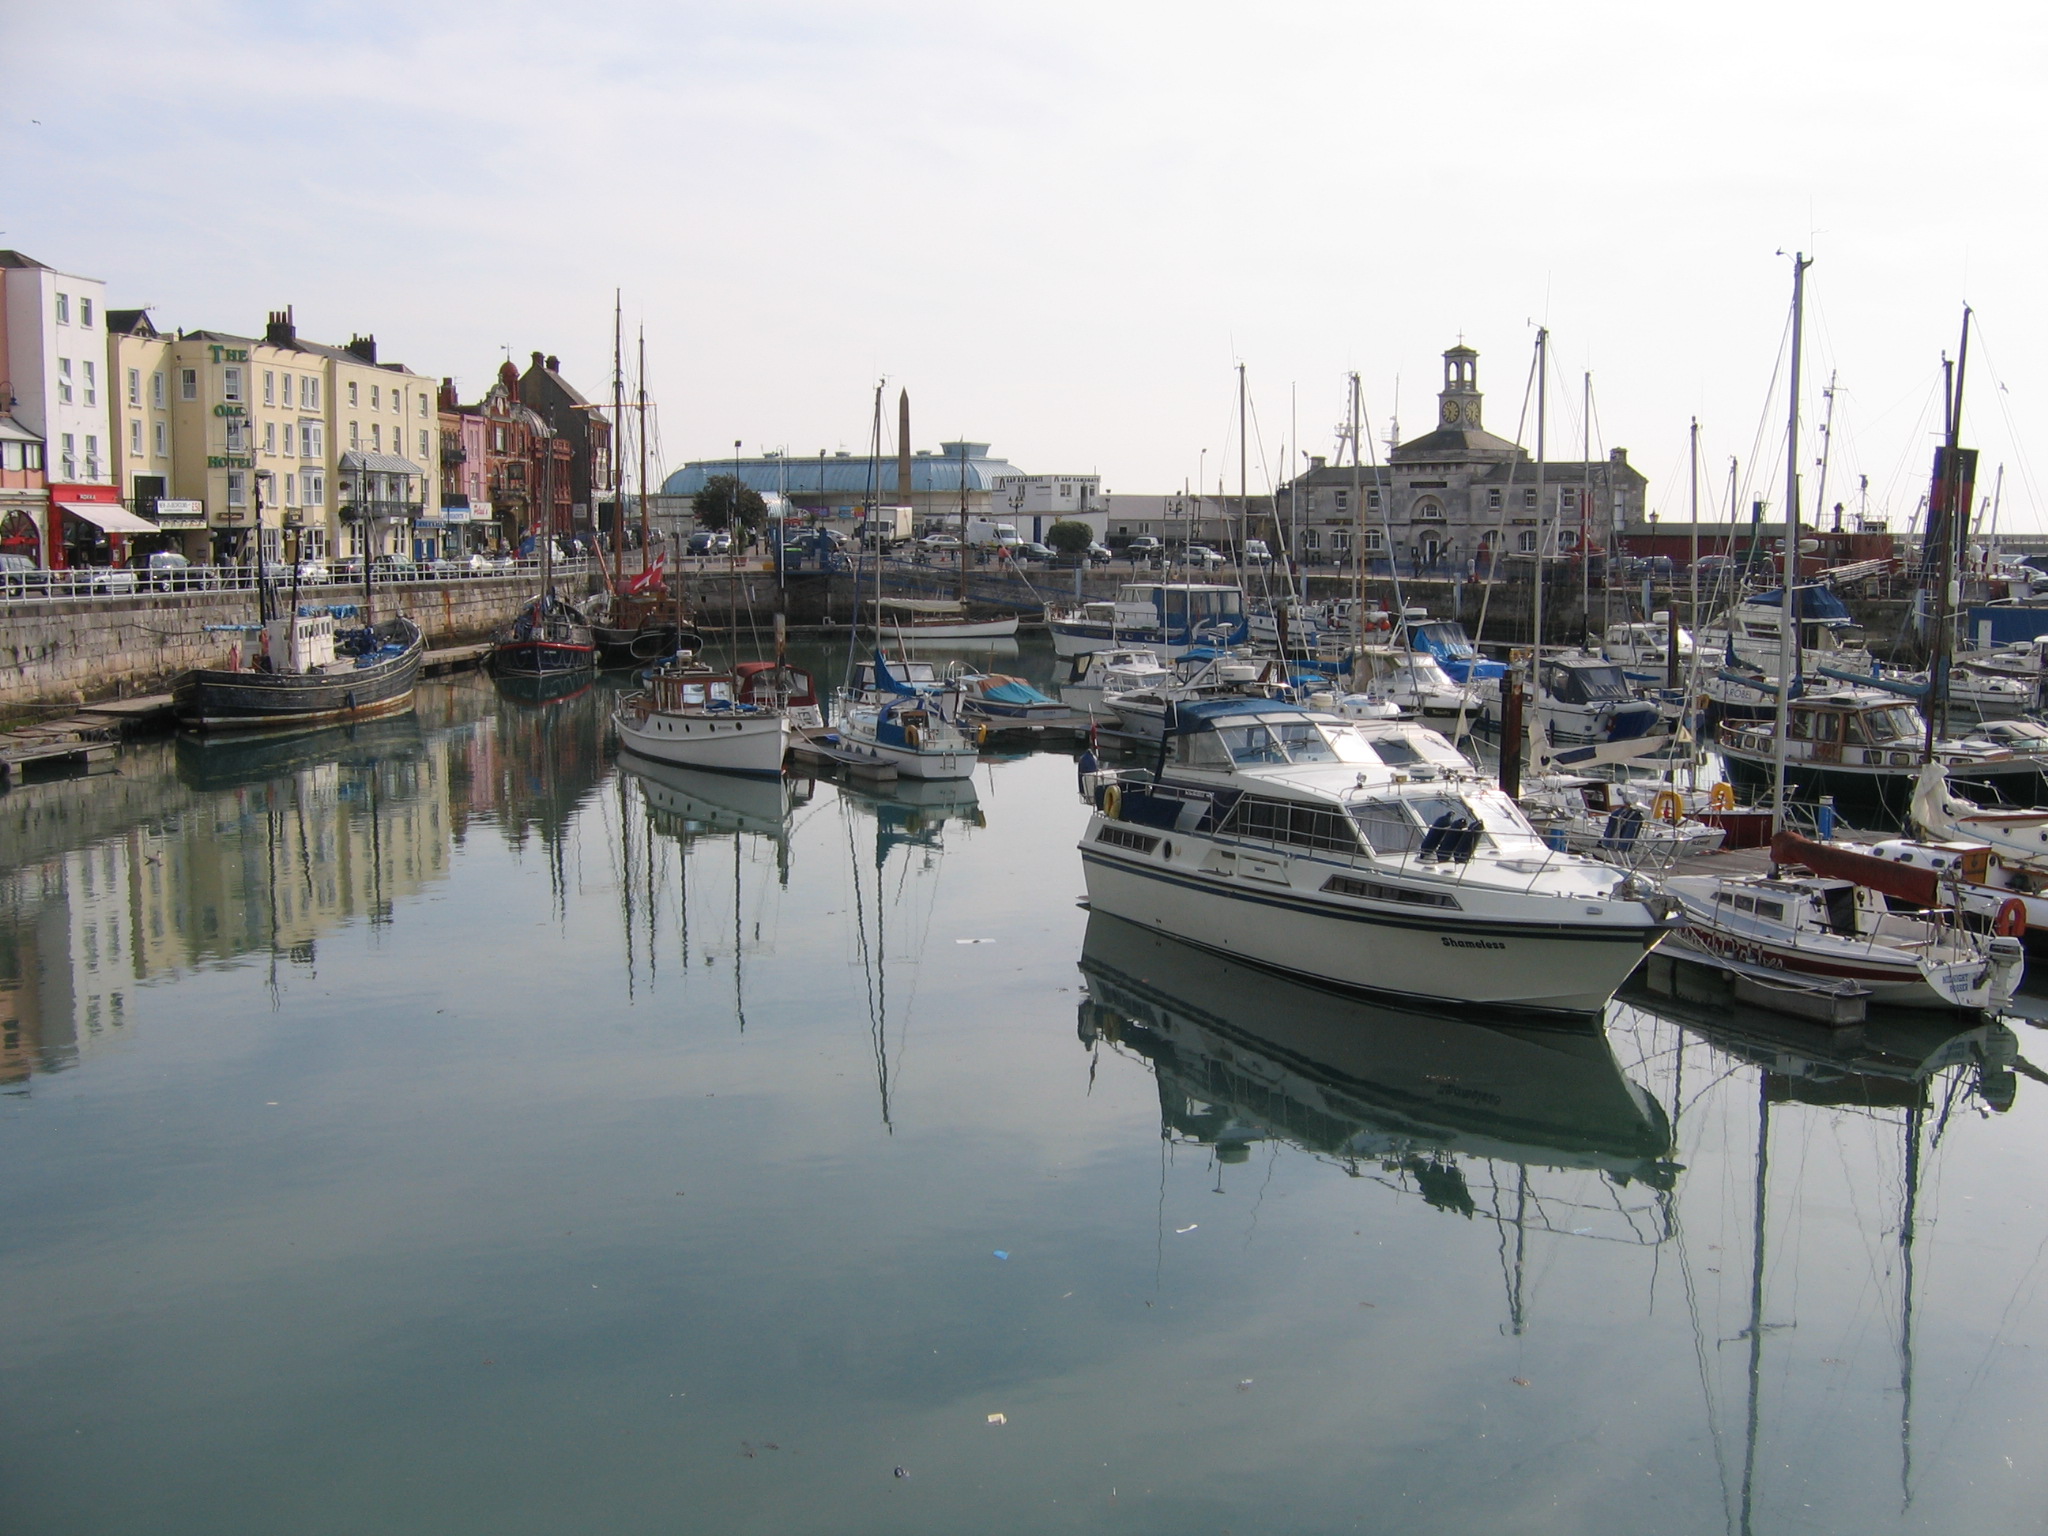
(465, 475)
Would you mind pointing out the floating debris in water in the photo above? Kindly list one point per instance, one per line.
(999, 1418)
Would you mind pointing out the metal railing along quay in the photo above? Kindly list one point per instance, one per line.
(316, 582)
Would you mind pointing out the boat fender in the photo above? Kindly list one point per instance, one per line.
(912, 737)
(1113, 802)
(981, 734)
(1722, 796)
(2011, 922)
(1668, 807)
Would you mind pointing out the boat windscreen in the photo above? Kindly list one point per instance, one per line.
(1445, 639)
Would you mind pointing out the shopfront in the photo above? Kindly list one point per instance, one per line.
(90, 527)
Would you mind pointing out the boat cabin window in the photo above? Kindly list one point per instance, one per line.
(1895, 723)
(1397, 826)
(1200, 749)
(1762, 907)
(1585, 685)
(1816, 725)
(1852, 730)
(1320, 827)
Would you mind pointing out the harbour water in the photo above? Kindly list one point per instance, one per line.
(439, 1127)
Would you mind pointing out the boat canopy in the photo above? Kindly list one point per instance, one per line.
(1810, 601)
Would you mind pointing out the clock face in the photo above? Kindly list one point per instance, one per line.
(1450, 410)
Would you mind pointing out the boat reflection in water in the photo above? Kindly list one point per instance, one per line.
(1244, 1055)
(214, 762)
(913, 813)
(542, 688)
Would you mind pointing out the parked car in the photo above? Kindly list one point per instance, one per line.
(937, 542)
(1202, 555)
(1033, 553)
(1256, 552)
(1098, 554)
(111, 580)
(19, 575)
(396, 567)
(1144, 547)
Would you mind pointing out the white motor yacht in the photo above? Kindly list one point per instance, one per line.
(1093, 675)
(1349, 853)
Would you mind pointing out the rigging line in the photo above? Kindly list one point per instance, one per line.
(1500, 526)
(2017, 442)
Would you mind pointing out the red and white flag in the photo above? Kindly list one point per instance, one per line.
(648, 580)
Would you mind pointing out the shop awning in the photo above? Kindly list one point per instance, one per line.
(108, 516)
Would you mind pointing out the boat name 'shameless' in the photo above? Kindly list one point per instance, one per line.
(1369, 855)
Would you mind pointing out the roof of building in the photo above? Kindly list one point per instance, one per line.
(130, 322)
(1460, 441)
(12, 431)
(379, 463)
(16, 259)
(848, 476)
(550, 370)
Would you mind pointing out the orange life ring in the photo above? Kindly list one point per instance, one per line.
(1113, 803)
(1722, 796)
(1667, 807)
(2011, 922)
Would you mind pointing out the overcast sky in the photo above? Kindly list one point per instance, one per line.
(1063, 223)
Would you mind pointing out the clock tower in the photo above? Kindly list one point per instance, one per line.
(1458, 405)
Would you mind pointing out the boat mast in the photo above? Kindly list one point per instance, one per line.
(1585, 508)
(1756, 1294)
(1244, 505)
(1788, 612)
(1542, 407)
(1948, 500)
(1693, 608)
(643, 451)
(1357, 513)
(618, 442)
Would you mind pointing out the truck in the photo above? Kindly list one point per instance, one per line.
(981, 531)
(890, 525)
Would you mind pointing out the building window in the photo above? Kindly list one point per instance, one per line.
(1529, 500)
(375, 404)
(231, 384)
(85, 312)
(63, 309)
(269, 387)
(238, 436)
(497, 439)
(92, 388)
(1493, 499)
(1567, 538)
(355, 435)
(351, 391)
(69, 460)
(188, 383)
(423, 407)
(1375, 541)
(1429, 512)
(64, 379)
(309, 394)
(1567, 499)
(238, 488)
(425, 451)
(309, 440)
(135, 386)
(1340, 541)
(162, 451)
(1310, 539)
(92, 456)
(270, 437)
(1372, 500)
(376, 438)
(1343, 501)
(1525, 541)
(156, 390)
(291, 490)
(316, 490)
(135, 434)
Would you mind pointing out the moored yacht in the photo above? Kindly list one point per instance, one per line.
(1864, 746)
(1169, 618)
(693, 716)
(1288, 838)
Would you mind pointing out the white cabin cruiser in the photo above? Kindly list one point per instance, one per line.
(1643, 650)
(1169, 618)
(1323, 848)
(1093, 675)
(1142, 711)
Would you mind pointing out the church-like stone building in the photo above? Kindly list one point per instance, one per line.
(1448, 500)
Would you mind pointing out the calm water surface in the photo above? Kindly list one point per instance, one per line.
(438, 1128)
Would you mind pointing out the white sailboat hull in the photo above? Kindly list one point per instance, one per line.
(748, 744)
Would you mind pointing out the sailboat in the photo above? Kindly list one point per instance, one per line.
(626, 620)
(550, 638)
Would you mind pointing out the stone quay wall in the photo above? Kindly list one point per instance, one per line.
(72, 651)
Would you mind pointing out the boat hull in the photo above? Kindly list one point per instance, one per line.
(753, 745)
(542, 658)
(963, 629)
(214, 700)
(1889, 789)
(636, 647)
(1544, 967)
(1900, 982)
(909, 762)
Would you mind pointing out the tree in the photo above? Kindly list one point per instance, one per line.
(725, 505)
(1070, 538)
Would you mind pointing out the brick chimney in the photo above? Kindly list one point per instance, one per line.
(364, 347)
(554, 363)
(539, 361)
(447, 400)
(281, 331)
